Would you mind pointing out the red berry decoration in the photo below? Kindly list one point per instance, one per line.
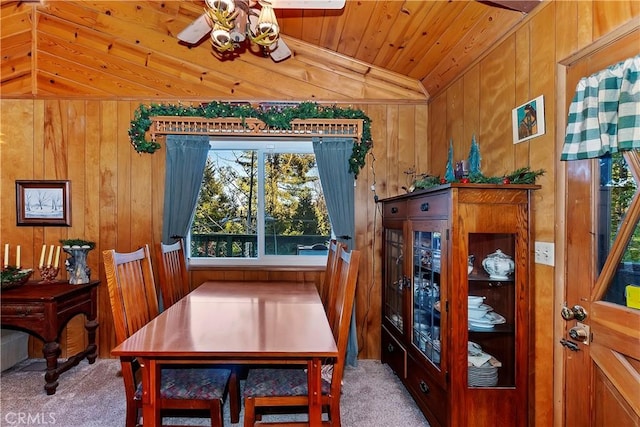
(464, 180)
(443, 180)
(506, 180)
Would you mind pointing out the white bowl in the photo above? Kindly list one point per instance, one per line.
(474, 301)
(476, 313)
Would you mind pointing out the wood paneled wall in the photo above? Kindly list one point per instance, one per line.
(520, 68)
(117, 194)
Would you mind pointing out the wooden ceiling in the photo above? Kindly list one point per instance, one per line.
(123, 48)
(430, 41)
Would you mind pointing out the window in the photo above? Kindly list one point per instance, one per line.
(260, 200)
(618, 191)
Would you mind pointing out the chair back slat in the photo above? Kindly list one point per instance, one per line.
(328, 291)
(328, 272)
(340, 319)
(172, 272)
(132, 290)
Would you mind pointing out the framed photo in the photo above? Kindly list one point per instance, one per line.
(43, 203)
(528, 120)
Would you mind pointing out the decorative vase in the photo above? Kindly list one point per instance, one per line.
(499, 265)
(76, 264)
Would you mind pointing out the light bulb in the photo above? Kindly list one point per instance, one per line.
(220, 37)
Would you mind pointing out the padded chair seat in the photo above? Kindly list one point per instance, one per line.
(279, 382)
(190, 383)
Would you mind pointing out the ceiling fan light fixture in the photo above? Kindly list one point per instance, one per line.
(221, 38)
(228, 19)
(267, 29)
(222, 6)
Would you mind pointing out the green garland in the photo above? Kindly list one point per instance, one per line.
(520, 176)
(78, 242)
(278, 116)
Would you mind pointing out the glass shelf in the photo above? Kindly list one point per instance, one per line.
(491, 333)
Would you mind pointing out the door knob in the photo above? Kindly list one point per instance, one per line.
(579, 313)
(566, 312)
(581, 333)
(576, 312)
(578, 334)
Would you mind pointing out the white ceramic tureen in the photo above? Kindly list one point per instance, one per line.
(499, 265)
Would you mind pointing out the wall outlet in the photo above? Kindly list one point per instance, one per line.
(545, 253)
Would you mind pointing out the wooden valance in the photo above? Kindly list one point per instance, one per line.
(179, 125)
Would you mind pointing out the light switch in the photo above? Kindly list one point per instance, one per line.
(545, 253)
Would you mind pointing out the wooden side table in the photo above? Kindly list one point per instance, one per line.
(43, 310)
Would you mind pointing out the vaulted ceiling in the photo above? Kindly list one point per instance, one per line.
(380, 49)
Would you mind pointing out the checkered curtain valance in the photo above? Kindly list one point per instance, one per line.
(604, 116)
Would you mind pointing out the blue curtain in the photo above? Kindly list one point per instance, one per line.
(332, 158)
(604, 115)
(186, 159)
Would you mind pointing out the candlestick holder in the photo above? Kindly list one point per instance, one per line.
(48, 274)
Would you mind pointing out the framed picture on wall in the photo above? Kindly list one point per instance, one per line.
(528, 120)
(43, 202)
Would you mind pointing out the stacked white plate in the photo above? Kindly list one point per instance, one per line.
(482, 376)
(481, 372)
(487, 321)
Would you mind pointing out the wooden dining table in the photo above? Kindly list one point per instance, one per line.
(235, 323)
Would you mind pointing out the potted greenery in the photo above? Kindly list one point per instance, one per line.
(76, 264)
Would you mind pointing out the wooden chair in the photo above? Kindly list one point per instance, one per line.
(172, 272)
(134, 303)
(267, 389)
(175, 284)
(329, 284)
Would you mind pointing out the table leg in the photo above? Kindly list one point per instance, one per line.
(51, 351)
(234, 395)
(315, 392)
(92, 348)
(151, 393)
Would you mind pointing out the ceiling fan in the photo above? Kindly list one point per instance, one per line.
(235, 24)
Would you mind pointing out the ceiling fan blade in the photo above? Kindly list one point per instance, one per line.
(280, 51)
(307, 4)
(196, 31)
(524, 6)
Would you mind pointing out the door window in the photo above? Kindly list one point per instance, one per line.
(618, 195)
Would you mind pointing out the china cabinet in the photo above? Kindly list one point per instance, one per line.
(456, 295)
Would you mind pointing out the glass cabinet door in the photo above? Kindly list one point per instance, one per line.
(491, 308)
(425, 326)
(395, 277)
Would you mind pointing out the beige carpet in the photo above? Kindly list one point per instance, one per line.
(93, 396)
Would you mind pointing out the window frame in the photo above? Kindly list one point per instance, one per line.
(262, 146)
